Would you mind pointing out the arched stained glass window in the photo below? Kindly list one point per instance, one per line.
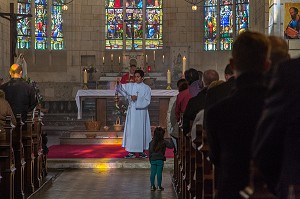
(219, 33)
(34, 30)
(139, 20)
(57, 41)
(24, 25)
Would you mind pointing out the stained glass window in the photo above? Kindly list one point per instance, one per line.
(24, 25)
(38, 36)
(242, 15)
(210, 25)
(142, 24)
(57, 41)
(114, 24)
(154, 20)
(41, 18)
(226, 27)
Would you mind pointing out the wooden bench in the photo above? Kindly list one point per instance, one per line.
(7, 163)
(19, 158)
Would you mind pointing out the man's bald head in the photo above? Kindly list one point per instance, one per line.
(15, 71)
(209, 76)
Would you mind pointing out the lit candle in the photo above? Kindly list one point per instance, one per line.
(146, 59)
(183, 65)
(163, 59)
(85, 76)
(154, 55)
(119, 59)
(103, 60)
(169, 77)
(111, 57)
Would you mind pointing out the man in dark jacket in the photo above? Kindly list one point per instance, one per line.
(276, 145)
(19, 94)
(231, 123)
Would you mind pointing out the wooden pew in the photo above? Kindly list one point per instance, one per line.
(7, 163)
(19, 158)
(29, 155)
(37, 149)
(191, 167)
(198, 174)
(208, 170)
(176, 171)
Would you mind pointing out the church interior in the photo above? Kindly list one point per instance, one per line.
(74, 52)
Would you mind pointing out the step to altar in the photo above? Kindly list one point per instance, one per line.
(105, 163)
(92, 137)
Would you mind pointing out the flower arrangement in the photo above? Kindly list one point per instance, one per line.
(121, 107)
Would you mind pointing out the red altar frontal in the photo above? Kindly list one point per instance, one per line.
(105, 99)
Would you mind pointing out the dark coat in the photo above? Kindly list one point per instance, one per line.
(20, 95)
(277, 142)
(230, 129)
(160, 155)
(193, 107)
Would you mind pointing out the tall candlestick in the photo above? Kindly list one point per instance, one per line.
(119, 59)
(85, 76)
(169, 77)
(183, 65)
(154, 55)
(103, 60)
(111, 57)
(163, 59)
(146, 59)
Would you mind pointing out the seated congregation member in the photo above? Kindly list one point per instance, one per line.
(172, 125)
(276, 144)
(19, 94)
(182, 98)
(231, 123)
(218, 92)
(197, 103)
(157, 149)
(137, 130)
(5, 110)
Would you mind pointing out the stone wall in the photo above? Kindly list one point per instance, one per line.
(4, 40)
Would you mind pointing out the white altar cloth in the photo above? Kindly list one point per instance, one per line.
(110, 93)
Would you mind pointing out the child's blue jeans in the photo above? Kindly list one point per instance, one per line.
(156, 169)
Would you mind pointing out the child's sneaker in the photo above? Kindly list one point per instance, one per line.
(159, 188)
(143, 155)
(153, 188)
(130, 155)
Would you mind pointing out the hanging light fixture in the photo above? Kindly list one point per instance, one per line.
(194, 3)
(65, 4)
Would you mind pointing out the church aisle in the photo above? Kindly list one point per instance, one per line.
(107, 184)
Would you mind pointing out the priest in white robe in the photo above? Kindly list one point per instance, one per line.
(137, 131)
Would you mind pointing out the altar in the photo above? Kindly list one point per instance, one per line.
(105, 100)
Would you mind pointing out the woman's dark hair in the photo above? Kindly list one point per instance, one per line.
(191, 75)
(158, 139)
(182, 84)
(139, 71)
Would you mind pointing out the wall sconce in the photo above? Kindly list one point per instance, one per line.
(65, 4)
(194, 3)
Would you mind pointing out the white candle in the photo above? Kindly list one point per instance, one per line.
(85, 76)
(146, 59)
(169, 77)
(119, 59)
(163, 59)
(154, 55)
(111, 57)
(183, 65)
(103, 60)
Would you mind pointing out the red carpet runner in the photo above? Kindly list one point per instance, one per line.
(92, 151)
